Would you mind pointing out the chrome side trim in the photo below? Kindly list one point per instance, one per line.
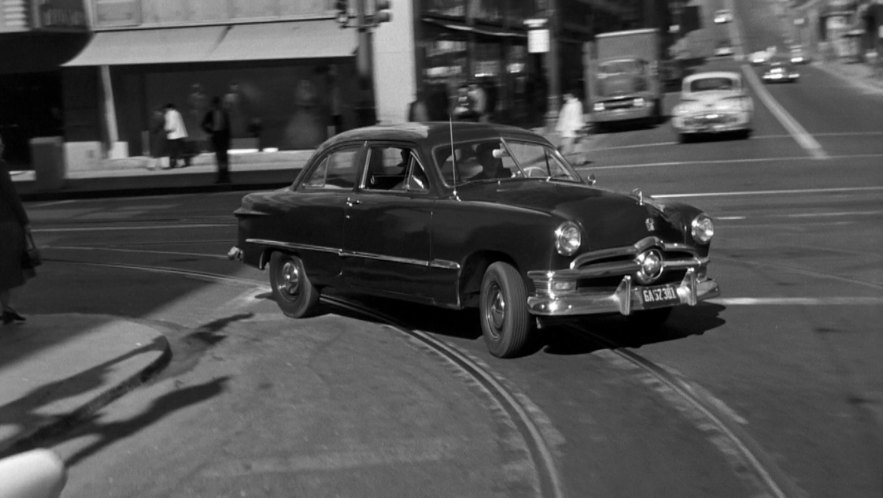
(435, 263)
(296, 247)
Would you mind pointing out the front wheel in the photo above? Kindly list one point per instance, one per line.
(505, 321)
(292, 289)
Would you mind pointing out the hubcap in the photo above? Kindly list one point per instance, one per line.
(290, 282)
(496, 310)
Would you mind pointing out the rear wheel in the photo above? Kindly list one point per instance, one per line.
(292, 289)
(505, 321)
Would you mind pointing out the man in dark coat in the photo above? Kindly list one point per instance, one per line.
(14, 227)
(216, 123)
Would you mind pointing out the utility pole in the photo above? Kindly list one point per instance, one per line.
(553, 72)
(366, 113)
(368, 15)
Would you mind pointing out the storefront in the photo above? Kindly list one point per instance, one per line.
(486, 42)
(286, 81)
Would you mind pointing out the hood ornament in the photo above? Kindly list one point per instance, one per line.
(638, 195)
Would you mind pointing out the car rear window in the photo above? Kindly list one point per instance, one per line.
(711, 84)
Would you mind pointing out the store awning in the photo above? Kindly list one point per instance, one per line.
(285, 40)
(149, 46)
(239, 42)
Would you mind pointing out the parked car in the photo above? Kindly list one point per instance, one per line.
(713, 102)
(472, 215)
(780, 72)
(723, 16)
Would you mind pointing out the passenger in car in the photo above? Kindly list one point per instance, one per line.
(491, 167)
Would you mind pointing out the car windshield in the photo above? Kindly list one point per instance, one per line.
(625, 66)
(713, 84)
(501, 160)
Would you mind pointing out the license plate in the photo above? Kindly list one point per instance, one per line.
(660, 295)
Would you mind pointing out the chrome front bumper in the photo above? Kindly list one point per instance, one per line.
(624, 299)
(711, 122)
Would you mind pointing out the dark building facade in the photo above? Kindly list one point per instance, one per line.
(36, 37)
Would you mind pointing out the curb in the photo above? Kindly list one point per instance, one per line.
(31, 440)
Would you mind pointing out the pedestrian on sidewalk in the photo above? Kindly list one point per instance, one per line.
(176, 132)
(14, 228)
(570, 123)
(216, 123)
(157, 137)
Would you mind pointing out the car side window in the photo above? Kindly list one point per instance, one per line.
(337, 170)
(415, 179)
(393, 168)
(387, 166)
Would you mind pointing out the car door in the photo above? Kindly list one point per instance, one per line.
(316, 224)
(388, 219)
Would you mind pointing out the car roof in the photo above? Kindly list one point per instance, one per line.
(431, 132)
(712, 74)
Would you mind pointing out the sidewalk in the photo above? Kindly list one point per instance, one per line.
(856, 73)
(58, 369)
(133, 176)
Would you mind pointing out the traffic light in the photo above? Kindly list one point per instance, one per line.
(343, 12)
(381, 11)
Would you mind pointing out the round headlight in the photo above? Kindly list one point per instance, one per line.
(702, 229)
(567, 238)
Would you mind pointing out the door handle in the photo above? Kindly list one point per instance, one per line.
(350, 202)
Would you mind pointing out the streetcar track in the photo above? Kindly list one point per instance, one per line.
(521, 413)
(541, 453)
(710, 416)
(738, 447)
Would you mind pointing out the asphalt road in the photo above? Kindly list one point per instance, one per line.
(773, 389)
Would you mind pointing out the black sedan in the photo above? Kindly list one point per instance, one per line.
(472, 215)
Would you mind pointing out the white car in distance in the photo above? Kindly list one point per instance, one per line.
(713, 102)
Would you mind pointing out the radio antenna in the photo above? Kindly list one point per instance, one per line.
(453, 155)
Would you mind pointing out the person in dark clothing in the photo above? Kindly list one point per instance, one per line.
(14, 227)
(216, 123)
(491, 167)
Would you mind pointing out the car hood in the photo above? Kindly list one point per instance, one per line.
(609, 219)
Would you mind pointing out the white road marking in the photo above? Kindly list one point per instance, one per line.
(772, 192)
(721, 162)
(593, 148)
(798, 301)
(801, 136)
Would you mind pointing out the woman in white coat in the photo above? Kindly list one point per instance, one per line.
(570, 123)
